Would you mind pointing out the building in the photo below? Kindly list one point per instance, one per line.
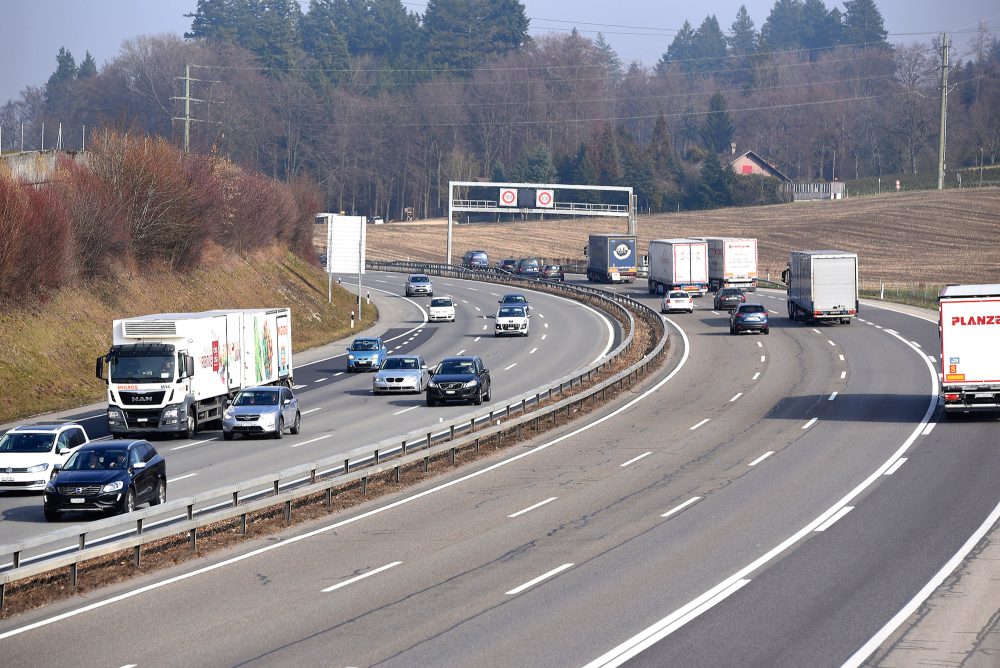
(751, 163)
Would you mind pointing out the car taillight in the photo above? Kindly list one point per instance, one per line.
(952, 396)
(817, 313)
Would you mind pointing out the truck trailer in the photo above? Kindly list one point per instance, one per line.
(678, 264)
(611, 258)
(173, 372)
(822, 286)
(732, 263)
(969, 327)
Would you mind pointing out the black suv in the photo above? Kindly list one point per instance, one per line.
(112, 476)
(728, 299)
(528, 267)
(459, 379)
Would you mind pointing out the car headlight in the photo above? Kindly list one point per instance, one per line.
(350, 356)
(471, 383)
(228, 414)
(50, 487)
(112, 487)
(431, 383)
(37, 468)
(114, 414)
(170, 412)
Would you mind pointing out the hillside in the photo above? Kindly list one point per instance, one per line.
(950, 236)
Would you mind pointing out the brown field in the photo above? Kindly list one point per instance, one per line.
(932, 237)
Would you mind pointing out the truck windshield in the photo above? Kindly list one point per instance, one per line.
(26, 442)
(151, 369)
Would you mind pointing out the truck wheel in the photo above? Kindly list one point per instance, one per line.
(192, 426)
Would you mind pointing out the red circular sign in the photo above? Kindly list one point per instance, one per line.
(507, 196)
(544, 198)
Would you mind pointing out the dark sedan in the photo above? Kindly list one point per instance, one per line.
(459, 379)
(110, 476)
(728, 299)
(553, 272)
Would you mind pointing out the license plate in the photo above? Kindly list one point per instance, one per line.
(77, 500)
(7, 478)
(142, 419)
(449, 391)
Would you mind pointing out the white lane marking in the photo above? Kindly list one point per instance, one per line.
(761, 458)
(831, 342)
(891, 331)
(181, 477)
(699, 424)
(341, 373)
(895, 467)
(760, 345)
(862, 320)
(716, 313)
(182, 447)
(508, 368)
(405, 410)
(756, 376)
(772, 312)
(91, 417)
(465, 301)
(484, 327)
(763, 358)
(635, 459)
(833, 519)
(477, 339)
(361, 577)
(312, 410)
(540, 578)
(677, 509)
(397, 348)
(537, 505)
(843, 375)
(816, 330)
(685, 355)
(810, 423)
(929, 428)
(532, 351)
(546, 324)
(320, 380)
(312, 440)
(841, 357)
(473, 290)
(915, 343)
(461, 352)
(736, 396)
(478, 309)
(543, 336)
(380, 281)
(661, 629)
(932, 359)
(832, 396)
(297, 387)
(878, 326)
(495, 294)
(541, 315)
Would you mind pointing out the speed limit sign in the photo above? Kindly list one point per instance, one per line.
(543, 199)
(508, 197)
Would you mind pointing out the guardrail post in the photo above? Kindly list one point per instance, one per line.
(74, 572)
(138, 527)
(524, 406)
(364, 485)
(508, 411)
(451, 434)
(452, 452)
(243, 524)
(395, 474)
(477, 446)
(472, 425)
(328, 497)
(288, 511)
(428, 439)
(312, 476)
(403, 447)
(3, 590)
(190, 511)
(17, 559)
(137, 557)
(276, 487)
(427, 461)
(376, 455)
(236, 499)
(83, 541)
(347, 466)
(194, 539)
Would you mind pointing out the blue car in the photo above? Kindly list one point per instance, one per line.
(366, 354)
(749, 318)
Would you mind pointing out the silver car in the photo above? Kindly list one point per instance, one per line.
(262, 410)
(419, 284)
(401, 373)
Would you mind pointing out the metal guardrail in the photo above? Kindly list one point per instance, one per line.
(188, 515)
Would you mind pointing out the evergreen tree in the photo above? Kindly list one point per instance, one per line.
(278, 33)
(637, 170)
(461, 34)
(499, 173)
(708, 47)
(323, 40)
(608, 158)
(58, 84)
(535, 166)
(585, 172)
(784, 26)
(821, 27)
(679, 50)
(716, 184)
(661, 149)
(717, 131)
(87, 68)
(863, 24)
(612, 63)
(743, 36)
(218, 20)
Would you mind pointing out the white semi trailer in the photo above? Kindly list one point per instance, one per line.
(732, 263)
(678, 264)
(969, 319)
(171, 372)
(822, 286)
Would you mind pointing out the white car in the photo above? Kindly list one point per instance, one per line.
(511, 320)
(401, 373)
(442, 309)
(28, 453)
(677, 300)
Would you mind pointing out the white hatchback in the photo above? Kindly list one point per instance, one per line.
(677, 300)
(28, 453)
(512, 321)
(442, 309)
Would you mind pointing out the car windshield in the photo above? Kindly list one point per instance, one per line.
(730, 292)
(151, 369)
(441, 302)
(678, 295)
(511, 312)
(401, 363)
(456, 366)
(366, 344)
(419, 279)
(753, 308)
(552, 267)
(14, 442)
(97, 460)
(256, 398)
(529, 264)
(514, 299)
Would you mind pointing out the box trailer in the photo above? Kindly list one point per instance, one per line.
(173, 372)
(822, 286)
(611, 258)
(678, 264)
(969, 327)
(732, 263)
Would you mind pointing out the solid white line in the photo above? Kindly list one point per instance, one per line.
(537, 505)
(362, 576)
(699, 424)
(915, 343)
(878, 326)
(320, 380)
(831, 342)
(91, 417)
(182, 447)
(929, 428)
(832, 396)
(677, 509)
(715, 313)
(810, 423)
(181, 477)
(892, 469)
(312, 440)
(312, 410)
(635, 459)
(736, 396)
(772, 311)
(532, 351)
(508, 368)
(761, 458)
(843, 375)
(405, 410)
(841, 357)
(540, 578)
(833, 519)
(763, 358)
(756, 376)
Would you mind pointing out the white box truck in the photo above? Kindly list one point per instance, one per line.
(172, 372)
(678, 264)
(969, 321)
(732, 263)
(822, 286)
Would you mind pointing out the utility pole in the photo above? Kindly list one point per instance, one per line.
(187, 107)
(943, 142)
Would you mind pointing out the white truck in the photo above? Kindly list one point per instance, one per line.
(732, 263)
(678, 264)
(969, 326)
(172, 372)
(822, 286)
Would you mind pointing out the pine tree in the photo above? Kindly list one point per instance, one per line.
(612, 63)
(679, 50)
(535, 166)
(661, 149)
(323, 40)
(608, 158)
(461, 34)
(822, 28)
(87, 68)
(716, 184)
(863, 24)
(743, 36)
(58, 84)
(708, 47)
(784, 26)
(215, 20)
(278, 33)
(717, 132)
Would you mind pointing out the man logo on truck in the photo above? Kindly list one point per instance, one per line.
(622, 251)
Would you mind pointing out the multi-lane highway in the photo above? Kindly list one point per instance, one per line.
(763, 501)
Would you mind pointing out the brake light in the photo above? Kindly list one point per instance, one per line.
(952, 396)
(817, 313)
(851, 311)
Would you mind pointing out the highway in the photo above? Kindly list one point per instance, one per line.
(765, 501)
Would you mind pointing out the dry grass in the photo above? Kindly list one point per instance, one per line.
(934, 237)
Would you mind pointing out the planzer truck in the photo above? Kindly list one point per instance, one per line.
(822, 285)
(969, 326)
(678, 264)
(611, 258)
(732, 263)
(173, 372)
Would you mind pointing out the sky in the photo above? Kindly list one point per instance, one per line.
(637, 29)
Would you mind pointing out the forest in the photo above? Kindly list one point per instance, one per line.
(381, 106)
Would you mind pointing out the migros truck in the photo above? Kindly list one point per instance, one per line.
(969, 321)
(172, 372)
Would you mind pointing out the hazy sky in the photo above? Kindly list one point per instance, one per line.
(637, 29)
